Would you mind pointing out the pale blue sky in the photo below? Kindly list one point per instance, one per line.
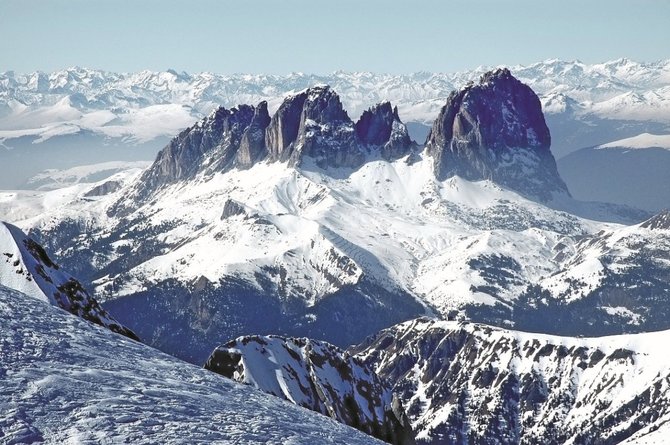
(281, 36)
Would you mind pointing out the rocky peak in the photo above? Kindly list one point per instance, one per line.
(313, 124)
(323, 105)
(495, 130)
(318, 376)
(282, 131)
(381, 126)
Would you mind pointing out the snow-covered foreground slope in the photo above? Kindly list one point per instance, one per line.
(26, 267)
(66, 381)
(317, 376)
(470, 383)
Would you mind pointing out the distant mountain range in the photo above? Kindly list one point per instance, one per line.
(81, 116)
(145, 105)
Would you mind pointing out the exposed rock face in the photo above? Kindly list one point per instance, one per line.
(311, 124)
(381, 126)
(252, 146)
(317, 376)
(282, 131)
(314, 124)
(496, 130)
(468, 383)
(212, 144)
(232, 208)
(26, 267)
(104, 189)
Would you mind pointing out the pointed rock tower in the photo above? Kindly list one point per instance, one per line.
(496, 130)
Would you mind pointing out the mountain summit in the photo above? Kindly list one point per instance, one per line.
(496, 130)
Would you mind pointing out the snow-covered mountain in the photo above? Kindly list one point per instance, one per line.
(26, 267)
(336, 246)
(317, 376)
(66, 381)
(98, 116)
(632, 171)
(470, 383)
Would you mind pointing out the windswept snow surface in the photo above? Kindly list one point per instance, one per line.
(66, 381)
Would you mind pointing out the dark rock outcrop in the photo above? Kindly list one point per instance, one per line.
(210, 145)
(314, 124)
(381, 126)
(496, 130)
(232, 208)
(317, 376)
(104, 189)
(252, 146)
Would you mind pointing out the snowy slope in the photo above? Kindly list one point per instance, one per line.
(66, 381)
(317, 376)
(410, 243)
(469, 383)
(26, 267)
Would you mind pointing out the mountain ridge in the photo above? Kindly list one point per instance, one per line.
(468, 383)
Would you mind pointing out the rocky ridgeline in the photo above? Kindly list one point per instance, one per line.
(312, 124)
(491, 130)
(26, 267)
(318, 376)
(469, 383)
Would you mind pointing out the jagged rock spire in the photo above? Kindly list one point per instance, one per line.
(313, 124)
(381, 126)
